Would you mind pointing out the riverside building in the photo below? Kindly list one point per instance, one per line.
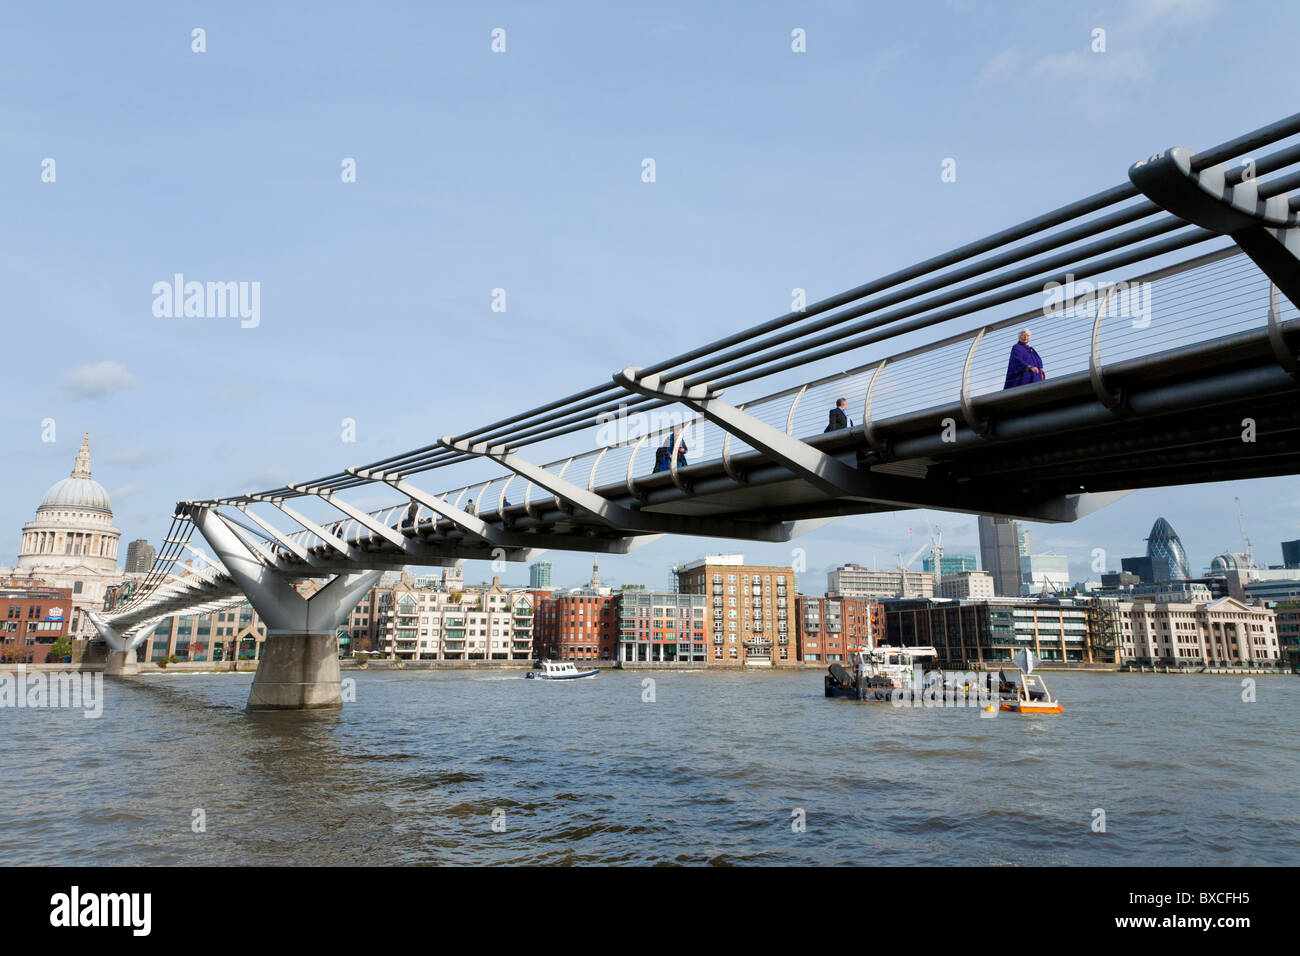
(236, 633)
(748, 609)
(477, 624)
(578, 624)
(34, 616)
(661, 627)
(974, 632)
(828, 627)
(1222, 633)
(855, 581)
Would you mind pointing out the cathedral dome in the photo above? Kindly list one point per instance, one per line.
(77, 492)
(84, 494)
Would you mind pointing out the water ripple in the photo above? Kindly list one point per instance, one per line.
(721, 770)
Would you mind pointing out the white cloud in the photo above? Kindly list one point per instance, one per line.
(232, 394)
(97, 381)
(1168, 12)
(1113, 68)
(1001, 67)
(119, 495)
(265, 479)
(131, 457)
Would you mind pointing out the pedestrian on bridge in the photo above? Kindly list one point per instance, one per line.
(1025, 366)
(664, 454)
(839, 416)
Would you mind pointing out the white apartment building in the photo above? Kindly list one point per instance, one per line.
(855, 581)
(966, 584)
(1044, 574)
(1222, 632)
(475, 624)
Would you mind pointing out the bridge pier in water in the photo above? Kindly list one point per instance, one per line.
(297, 672)
(299, 669)
(121, 648)
(121, 664)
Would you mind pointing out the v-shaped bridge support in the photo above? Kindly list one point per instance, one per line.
(299, 669)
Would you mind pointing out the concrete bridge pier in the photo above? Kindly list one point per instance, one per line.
(297, 672)
(121, 664)
(299, 669)
(121, 648)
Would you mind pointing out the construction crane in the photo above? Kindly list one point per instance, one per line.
(936, 550)
(935, 544)
(1248, 554)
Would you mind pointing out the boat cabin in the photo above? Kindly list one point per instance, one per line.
(558, 667)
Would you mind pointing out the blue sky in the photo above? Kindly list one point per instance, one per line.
(522, 171)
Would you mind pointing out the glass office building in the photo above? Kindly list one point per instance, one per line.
(1168, 559)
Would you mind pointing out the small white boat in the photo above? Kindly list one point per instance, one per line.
(560, 670)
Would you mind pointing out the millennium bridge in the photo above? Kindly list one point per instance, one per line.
(1165, 307)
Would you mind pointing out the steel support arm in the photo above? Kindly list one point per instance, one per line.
(1224, 200)
(617, 516)
(470, 524)
(356, 514)
(342, 547)
(286, 542)
(832, 476)
(829, 474)
(518, 547)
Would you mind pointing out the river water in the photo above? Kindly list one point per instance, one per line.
(719, 768)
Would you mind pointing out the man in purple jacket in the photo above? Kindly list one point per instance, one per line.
(1025, 366)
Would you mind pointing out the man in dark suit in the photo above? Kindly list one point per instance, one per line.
(839, 417)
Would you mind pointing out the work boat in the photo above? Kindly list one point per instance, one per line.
(874, 673)
(560, 670)
(1025, 693)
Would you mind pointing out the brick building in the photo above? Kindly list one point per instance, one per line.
(829, 626)
(661, 627)
(747, 609)
(34, 617)
(578, 624)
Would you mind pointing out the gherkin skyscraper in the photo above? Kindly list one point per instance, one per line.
(1168, 559)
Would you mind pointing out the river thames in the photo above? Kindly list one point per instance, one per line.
(719, 768)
